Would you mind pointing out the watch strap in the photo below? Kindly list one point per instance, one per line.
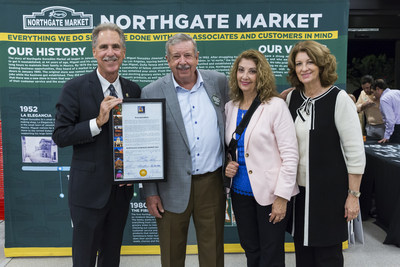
(357, 194)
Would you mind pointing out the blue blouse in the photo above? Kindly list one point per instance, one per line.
(241, 183)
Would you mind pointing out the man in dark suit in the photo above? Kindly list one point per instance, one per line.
(98, 207)
(195, 101)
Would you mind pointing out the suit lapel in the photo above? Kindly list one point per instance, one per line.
(215, 97)
(231, 120)
(98, 95)
(125, 93)
(173, 105)
(123, 88)
(252, 123)
(211, 90)
(95, 88)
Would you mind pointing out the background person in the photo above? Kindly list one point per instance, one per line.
(195, 101)
(332, 157)
(98, 207)
(390, 108)
(353, 98)
(368, 108)
(264, 177)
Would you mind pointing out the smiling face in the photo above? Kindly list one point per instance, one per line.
(367, 88)
(183, 61)
(307, 71)
(247, 76)
(109, 53)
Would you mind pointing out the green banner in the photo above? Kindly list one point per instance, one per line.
(44, 44)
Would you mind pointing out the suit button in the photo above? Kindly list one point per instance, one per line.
(189, 172)
(246, 155)
(250, 172)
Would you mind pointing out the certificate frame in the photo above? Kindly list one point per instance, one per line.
(139, 142)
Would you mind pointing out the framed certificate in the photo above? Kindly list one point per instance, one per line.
(139, 140)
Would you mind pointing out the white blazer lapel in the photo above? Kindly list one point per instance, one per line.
(252, 124)
(231, 122)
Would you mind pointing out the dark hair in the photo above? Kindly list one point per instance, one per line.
(105, 27)
(265, 81)
(320, 55)
(367, 79)
(380, 83)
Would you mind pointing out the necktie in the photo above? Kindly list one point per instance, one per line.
(112, 91)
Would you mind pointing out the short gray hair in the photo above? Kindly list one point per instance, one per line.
(104, 27)
(178, 38)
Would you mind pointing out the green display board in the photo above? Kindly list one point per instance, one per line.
(44, 44)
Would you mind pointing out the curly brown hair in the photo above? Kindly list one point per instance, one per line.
(265, 82)
(320, 55)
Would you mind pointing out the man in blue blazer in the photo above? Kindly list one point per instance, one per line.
(98, 207)
(195, 101)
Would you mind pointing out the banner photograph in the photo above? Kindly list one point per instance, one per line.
(46, 44)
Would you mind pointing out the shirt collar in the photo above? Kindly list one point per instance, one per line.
(105, 84)
(196, 86)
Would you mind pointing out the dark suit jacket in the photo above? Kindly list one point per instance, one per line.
(91, 174)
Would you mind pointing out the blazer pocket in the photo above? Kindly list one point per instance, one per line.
(271, 177)
(83, 165)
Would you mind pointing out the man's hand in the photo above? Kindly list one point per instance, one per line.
(384, 140)
(108, 103)
(121, 185)
(155, 206)
(285, 92)
(367, 105)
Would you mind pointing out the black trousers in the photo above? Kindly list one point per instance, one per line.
(98, 233)
(262, 241)
(308, 256)
(395, 138)
(318, 256)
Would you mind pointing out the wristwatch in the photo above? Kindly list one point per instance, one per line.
(357, 194)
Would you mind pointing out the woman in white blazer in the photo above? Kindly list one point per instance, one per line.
(264, 176)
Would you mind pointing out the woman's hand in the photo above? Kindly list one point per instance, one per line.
(351, 208)
(352, 205)
(278, 212)
(231, 169)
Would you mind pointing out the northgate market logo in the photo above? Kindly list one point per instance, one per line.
(58, 18)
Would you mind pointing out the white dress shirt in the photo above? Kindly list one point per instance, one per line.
(104, 85)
